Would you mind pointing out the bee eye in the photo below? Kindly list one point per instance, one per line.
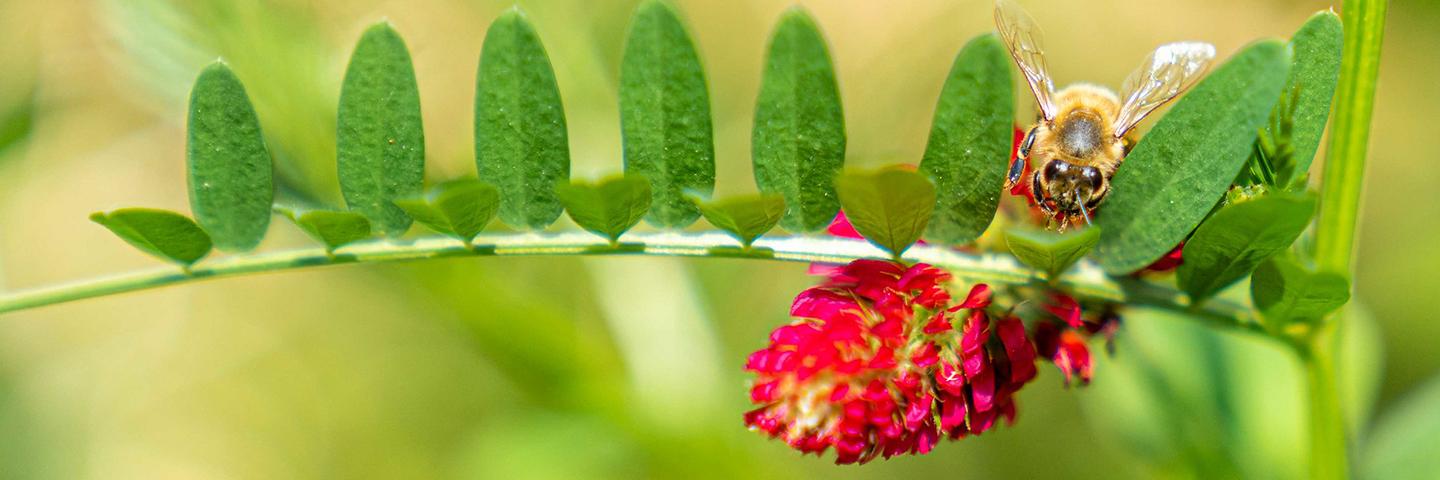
(1055, 168)
(1093, 176)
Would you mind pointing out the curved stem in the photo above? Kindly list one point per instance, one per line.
(1085, 280)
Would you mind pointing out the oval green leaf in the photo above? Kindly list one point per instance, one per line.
(228, 166)
(798, 143)
(521, 145)
(161, 233)
(608, 208)
(970, 142)
(1314, 73)
(1286, 292)
(331, 228)
(745, 217)
(380, 141)
(1230, 244)
(890, 207)
(1182, 167)
(1051, 252)
(459, 208)
(665, 114)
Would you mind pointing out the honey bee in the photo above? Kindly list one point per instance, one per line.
(1084, 131)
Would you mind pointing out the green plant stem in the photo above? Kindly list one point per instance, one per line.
(1335, 230)
(1085, 280)
(1329, 448)
(1349, 135)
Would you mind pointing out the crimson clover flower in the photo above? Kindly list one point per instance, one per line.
(880, 362)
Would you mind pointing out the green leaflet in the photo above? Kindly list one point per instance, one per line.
(746, 217)
(1170, 181)
(459, 208)
(228, 165)
(1229, 245)
(665, 114)
(380, 139)
(334, 229)
(890, 207)
(161, 233)
(970, 142)
(1314, 73)
(1050, 252)
(608, 208)
(1286, 292)
(520, 140)
(798, 143)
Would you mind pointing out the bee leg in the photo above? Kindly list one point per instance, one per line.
(1022, 156)
(1016, 169)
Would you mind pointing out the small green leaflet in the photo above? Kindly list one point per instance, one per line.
(459, 208)
(665, 114)
(1286, 292)
(1177, 172)
(746, 217)
(970, 141)
(889, 207)
(520, 140)
(608, 208)
(161, 233)
(1314, 73)
(798, 142)
(332, 228)
(228, 166)
(1229, 245)
(1050, 252)
(380, 139)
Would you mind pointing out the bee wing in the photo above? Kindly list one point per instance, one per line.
(1024, 40)
(1166, 73)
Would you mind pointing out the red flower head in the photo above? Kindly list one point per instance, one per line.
(879, 363)
(1066, 346)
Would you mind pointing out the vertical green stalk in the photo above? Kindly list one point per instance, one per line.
(1335, 233)
(1345, 167)
(1329, 447)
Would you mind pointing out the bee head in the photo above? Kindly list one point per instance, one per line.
(1070, 186)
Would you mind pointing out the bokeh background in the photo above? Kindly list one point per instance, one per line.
(598, 367)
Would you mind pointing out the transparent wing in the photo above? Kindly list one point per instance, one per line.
(1024, 40)
(1166, 73)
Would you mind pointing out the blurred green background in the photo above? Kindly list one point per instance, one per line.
(598, 367)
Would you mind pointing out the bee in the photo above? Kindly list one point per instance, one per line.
(1084, 131)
